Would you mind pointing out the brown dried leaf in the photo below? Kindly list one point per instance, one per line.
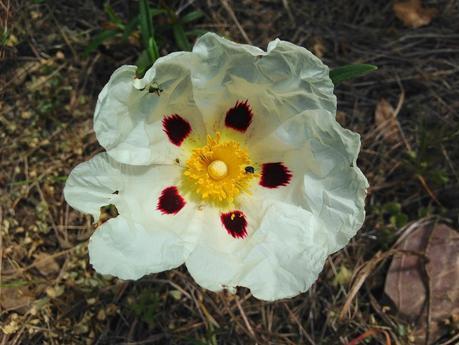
(46, 264)
(341, 118)
(16, 298)
(443, 267)
(318, 47)
(386, 122)
(413, 14)
(407, 268)
(406, 281)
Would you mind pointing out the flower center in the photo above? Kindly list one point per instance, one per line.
(217, 169)
(216, 172)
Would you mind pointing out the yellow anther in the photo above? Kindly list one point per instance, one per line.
(215, 172)
(217, 169)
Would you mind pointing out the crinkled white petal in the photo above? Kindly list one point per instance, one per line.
(218, 258)
(326, 180)
(138, 201)
(91, 185)
(128, 119)
(129, 250)
(288, 251)
(141, 240)
(201, 86)
(278, 84)
(281, 257)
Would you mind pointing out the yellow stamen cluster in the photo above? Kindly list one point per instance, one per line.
(216, 173)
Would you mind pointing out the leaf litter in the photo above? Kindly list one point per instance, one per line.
(413, 14)
(426, 292)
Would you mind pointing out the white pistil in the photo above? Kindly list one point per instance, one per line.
(217, 170)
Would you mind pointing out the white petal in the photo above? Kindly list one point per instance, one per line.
(91, 185)
(129, 250)
(287, 254)
(142, 239)
(201, 86)
(278, 84)
(281, 257)
(326, 180)
(138, 201)
(216, 261)
(128, 121)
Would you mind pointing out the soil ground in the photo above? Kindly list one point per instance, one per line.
(48, 88)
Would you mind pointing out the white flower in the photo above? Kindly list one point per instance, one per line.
(228, 159)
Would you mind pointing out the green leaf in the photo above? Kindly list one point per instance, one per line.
(113, 17)
(153, 50)
(196, 32)
(146, 306)
(180, 37)
(4, 37)
(156, 11)
(142, 63)
(15, 284)
(130, 27)
(98, 40)
(192, 16)
(146, 25)
(347, 72)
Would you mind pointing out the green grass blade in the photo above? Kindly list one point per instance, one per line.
(130, 27)
(180, 37)
(347, 72)
(15, 284)
(196, 32)
(156, 11)
(4, 37)
(192, 16)
(98, 40)
(146, 27)
(153, 48)
(113, 17)
(142, 63)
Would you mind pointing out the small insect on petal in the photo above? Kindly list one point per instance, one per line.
(249, 170)
(235, 223)
(239, 117)
(176, 128)
(170, 201)
(274, 175)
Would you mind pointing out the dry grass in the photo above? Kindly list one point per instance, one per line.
(50, 295)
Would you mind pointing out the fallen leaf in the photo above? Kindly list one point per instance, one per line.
(413, 14)
(16, 298)
(443, 267)
(406, 281)
(318, 47)
(386, 122)
(46, 264)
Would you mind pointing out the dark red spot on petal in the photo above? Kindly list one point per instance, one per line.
(239, 117)
(274, 175)
(235, 223)
(176, 128)
(170, 201)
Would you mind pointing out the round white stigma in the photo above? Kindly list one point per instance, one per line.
(217, 170)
